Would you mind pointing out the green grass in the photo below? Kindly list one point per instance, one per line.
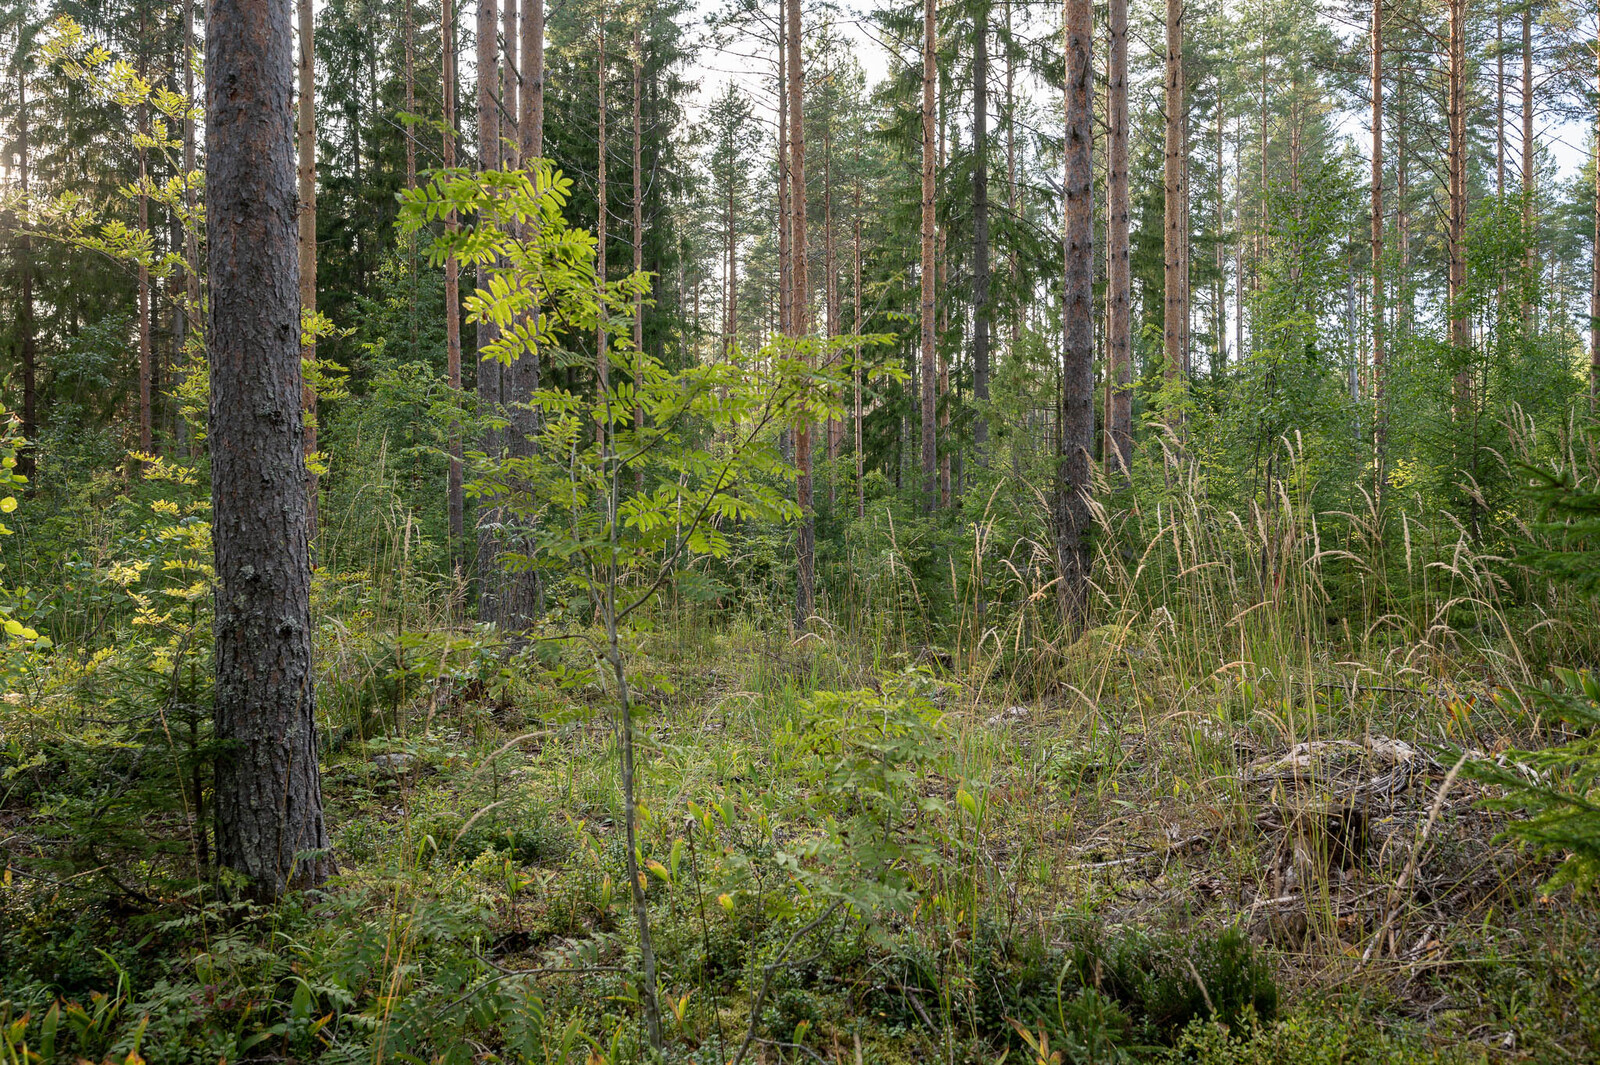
(1173, 851)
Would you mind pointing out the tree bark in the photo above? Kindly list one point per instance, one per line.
(1379, 411)
(861, 488)
(489, 373)
(980, 230)
(930, 370)
(268, 789)
(638, 230)
(26, 464)
(1594, 267)
(455, 504)
(602, 213)
(306, 167)
(1119, 342)
(146, 362)
(408, 32)
(1456, 221)
(1530, 176)
(1075, 460)
(800, 315)
(1175, 306)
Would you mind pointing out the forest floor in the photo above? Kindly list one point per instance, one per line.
(1091, 872)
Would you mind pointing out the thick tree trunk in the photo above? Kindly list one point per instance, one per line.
(455, 504)
(1175, 253)
(980, 231)
(800, 314)
(1119, 340)
(1075, 459)
(1379, 410)
(306, 173)
(268, 789)
(930, 370)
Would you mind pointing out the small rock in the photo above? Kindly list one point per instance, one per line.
(397, 762)
(1009, 715)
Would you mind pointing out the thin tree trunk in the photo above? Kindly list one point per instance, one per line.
(980, 231)
(191, 231)
(1219, 290)
(1530, 176)
(1072, 518)
(489, 373)
(1175, 308)
(408, 32)
(26, 464)
(1460, 337)
(1594, 267)
(800, 313)
(455, 503)
(830, 269)
(1119, 342)
(146, 365)
(1380, 412)
(785, 262)
(638, 233)
(602, 213)
(1499, 99)
(268, 790)
(861, 489)
(942, 289)
(306, 138)
(930, 75)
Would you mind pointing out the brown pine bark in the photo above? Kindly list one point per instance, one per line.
(26, 464)
(191, 232)
(638, 228)
(146, 362)
(1175, 306)
(1380, 425)
(1456, 221)
(830, 283)
(306, 173)
(1594, 271)
(785, 262)
(1530, 177)
(861, 489)
(944, 330)
(930, 370)
(1075, 459)
(980, 231)
(489, 373)
(1119, 341)
(602, 213)
(800, 314)
(408, 43)
(268, 789)
(454, 503)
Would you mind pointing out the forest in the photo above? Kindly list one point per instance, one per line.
(774, 532)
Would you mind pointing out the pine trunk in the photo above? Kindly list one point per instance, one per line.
(930, 370)
(306, 144)
(980, 231)
(455, 504)
(1119, 342)
(800, 314)
(1075, 459)
(268, 790)
(1380, 412)
(489, 373)
(1175, 307)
